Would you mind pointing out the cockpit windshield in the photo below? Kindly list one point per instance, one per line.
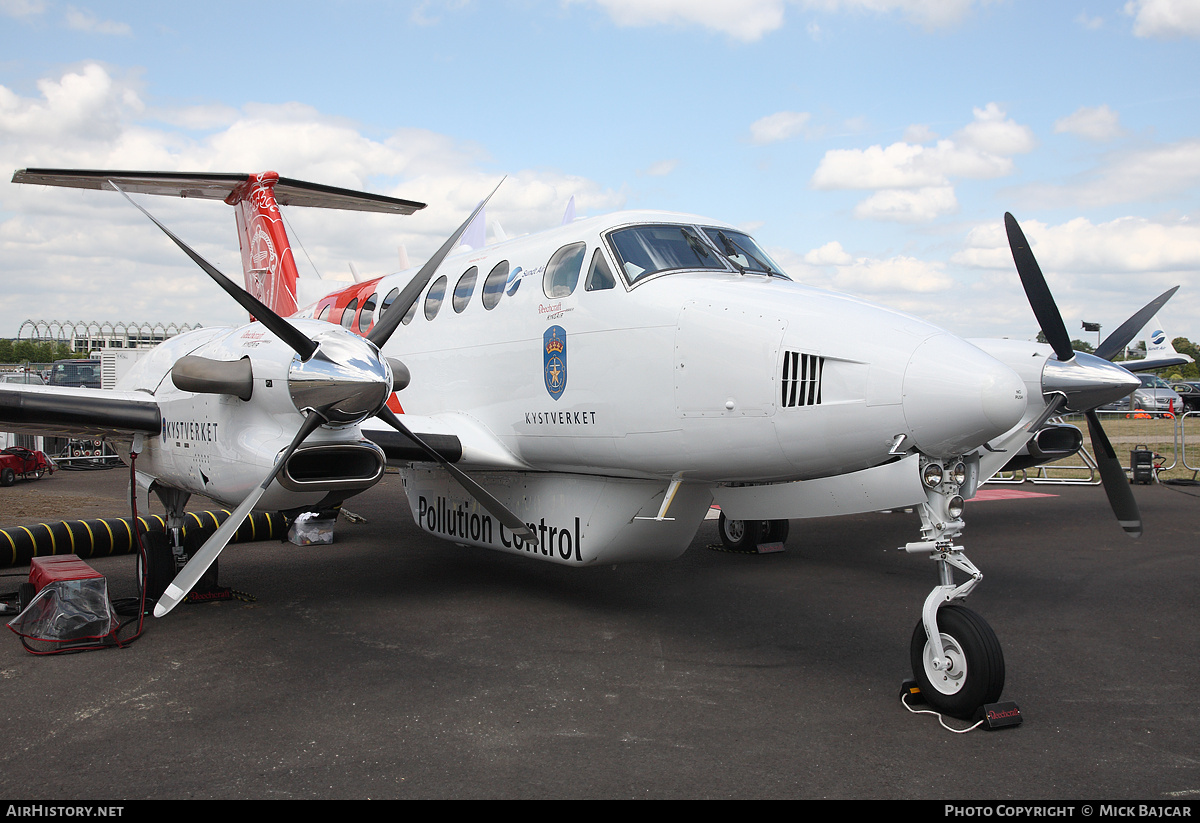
(646, 250)
(652, 249)
(742, 251)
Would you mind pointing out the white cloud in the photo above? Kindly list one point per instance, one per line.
(895, 274)
(993, 133)
(1123, 246)
(1149, 174)
(831, 254)
(1164, 18)
(660, 169)
(781, 125)
(84, 20)
(908, 205)
(1090, 122)
(747, 20)
(928, 13)
(22, 8)
(90, 255)
(85, 104)
(750, 20)
(982, 149)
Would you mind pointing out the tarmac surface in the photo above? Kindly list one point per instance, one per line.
(396, 665)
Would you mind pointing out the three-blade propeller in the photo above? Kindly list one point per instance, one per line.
(1112, 474)
(333, 409)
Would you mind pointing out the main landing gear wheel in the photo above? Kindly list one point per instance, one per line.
(975, 675)
(160, 565)
(746, 535)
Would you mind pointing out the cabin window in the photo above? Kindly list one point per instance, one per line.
(562, 272)
(348, 313)
(387, 301)
(493, 286)
(324, 315)
(646, 250)
(435, 297)
(464, 289)
(367, 314)
(599, 277)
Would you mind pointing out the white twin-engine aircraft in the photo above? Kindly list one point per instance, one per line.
(583, 395)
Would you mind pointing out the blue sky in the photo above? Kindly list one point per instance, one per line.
(872, 145)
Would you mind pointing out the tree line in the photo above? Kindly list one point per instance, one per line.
(29, 351)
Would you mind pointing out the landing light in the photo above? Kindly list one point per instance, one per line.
(955, 507)
(959, 473)
(932, 474)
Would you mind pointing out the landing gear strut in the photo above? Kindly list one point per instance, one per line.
(956, 658)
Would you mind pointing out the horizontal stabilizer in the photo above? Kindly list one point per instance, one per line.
(211, 186)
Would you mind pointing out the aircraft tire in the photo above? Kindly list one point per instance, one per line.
(740, 535)
(7, 477)
(160, 565)
(976, 676)
(193, 541)
(776, 531)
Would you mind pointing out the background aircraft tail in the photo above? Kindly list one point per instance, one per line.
(267, 262)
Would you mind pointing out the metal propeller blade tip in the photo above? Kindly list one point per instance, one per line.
(191, 573)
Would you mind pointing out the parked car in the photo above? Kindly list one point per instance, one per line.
(1154, 396)
(28, 378)
(23, 463)
(1190, 392)
(84, 373)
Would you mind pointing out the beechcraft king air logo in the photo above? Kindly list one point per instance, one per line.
(554, 358)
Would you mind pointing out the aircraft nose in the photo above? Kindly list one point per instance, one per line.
(957, 397)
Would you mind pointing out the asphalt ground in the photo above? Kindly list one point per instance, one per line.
(396, 665)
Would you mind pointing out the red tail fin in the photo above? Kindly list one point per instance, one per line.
(267, 259)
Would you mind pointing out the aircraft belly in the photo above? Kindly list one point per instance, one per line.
(580, 520)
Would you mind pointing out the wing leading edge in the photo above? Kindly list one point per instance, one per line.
(72, 412)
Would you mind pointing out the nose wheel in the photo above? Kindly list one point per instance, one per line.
(972, 670)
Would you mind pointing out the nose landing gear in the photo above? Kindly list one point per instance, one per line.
(956, 658)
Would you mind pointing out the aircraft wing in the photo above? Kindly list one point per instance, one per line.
(72, 412)
(1152, 364)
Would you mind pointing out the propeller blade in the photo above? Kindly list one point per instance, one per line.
(284, 330)
(1040, 298)
(190, 574)
(1116, 342)
(1116, 485)
(493, 506)
(390, 320)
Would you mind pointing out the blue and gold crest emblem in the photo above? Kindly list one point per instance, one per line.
(554, 354)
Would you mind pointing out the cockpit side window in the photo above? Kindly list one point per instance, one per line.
(562, 272)
(599, 277)
(646, 250)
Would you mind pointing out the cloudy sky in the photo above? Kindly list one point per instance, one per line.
(872, 145)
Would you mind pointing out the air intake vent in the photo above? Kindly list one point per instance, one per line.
(801, 379)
